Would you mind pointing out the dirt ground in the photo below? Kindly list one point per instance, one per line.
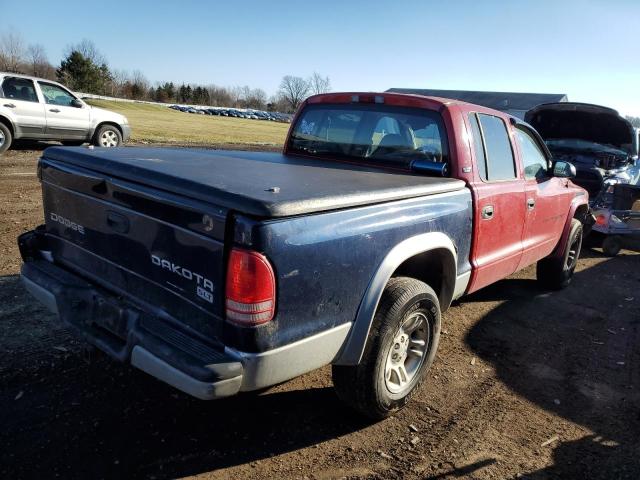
(527, 384)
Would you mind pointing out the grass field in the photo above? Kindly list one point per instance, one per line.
(157, 124)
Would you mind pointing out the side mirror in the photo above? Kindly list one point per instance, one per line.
(564, 169)
(76, 103)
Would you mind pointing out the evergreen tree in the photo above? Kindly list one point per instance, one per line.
(81, 74)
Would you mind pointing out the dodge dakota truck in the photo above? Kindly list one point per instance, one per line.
(220, 272)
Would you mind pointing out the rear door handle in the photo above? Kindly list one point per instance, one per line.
(54, 110)
(531, 203)
(487, 212)
(9, 105)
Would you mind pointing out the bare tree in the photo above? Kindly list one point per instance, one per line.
(118, 81)
(277, 103)
(12, 52)
(294, 90)
(236, 96)
(38, 62)
(219, 96)
(256, 99)
(88, 50)
(318, 84)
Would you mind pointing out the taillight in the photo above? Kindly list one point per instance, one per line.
(251, 288)
(601, 220)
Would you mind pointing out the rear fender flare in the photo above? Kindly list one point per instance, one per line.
(355, 342)
(9, 123)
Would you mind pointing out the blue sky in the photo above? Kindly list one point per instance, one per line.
(588, 49)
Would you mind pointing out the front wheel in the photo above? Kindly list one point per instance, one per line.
(556, 272)
(401, 347)
(107, 136)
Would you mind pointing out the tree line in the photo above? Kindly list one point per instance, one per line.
(84, 69)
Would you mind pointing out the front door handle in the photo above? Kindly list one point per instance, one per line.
(54, 110)
(531, 203)
(487, 212)
(9, 105)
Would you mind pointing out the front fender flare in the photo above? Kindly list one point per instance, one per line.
(576, 203)
(353, 348)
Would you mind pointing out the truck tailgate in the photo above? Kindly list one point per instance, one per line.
(156, 247)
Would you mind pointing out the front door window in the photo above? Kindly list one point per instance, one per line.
(55, 95)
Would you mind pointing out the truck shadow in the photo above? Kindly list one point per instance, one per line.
(22, 145)
(576, 354)
(60, 415)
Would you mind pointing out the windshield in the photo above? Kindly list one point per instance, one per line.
(372, 133)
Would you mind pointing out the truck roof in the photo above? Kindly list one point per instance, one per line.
(401, 100)
(256, 183)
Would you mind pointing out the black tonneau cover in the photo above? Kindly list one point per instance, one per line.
(256, 183)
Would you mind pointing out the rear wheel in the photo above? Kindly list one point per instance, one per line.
(611, 245)
(556, 272)
(107, 136)
(5, 138)
(401, 347)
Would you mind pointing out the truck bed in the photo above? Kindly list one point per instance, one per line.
(256, 183)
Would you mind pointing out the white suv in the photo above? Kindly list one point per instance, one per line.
(40, 109)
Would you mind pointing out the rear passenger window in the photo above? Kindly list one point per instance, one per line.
(478, 148)
(500, 161)
(19, 89)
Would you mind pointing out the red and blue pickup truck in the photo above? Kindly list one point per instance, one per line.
(223, 271)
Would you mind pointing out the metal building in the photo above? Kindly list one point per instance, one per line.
(513, 103)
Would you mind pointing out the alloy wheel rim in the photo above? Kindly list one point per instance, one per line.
(109, 139)
(2, 138)
(572, 257)
(407, 353)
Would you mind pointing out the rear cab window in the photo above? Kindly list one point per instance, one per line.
(492, 147)
(370, 134)
(17, 88)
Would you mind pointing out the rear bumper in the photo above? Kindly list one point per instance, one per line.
(128, 334)
(163, 347)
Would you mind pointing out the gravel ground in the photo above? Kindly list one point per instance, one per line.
(527, 384)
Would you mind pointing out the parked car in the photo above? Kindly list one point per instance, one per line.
(601, 144)
(224, 271)
(39, 109)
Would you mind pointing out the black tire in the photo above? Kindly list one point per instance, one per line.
(73, 143)
(366, 387)
(611, 245)
(556, 273)
(107, 136)
(5, 138)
